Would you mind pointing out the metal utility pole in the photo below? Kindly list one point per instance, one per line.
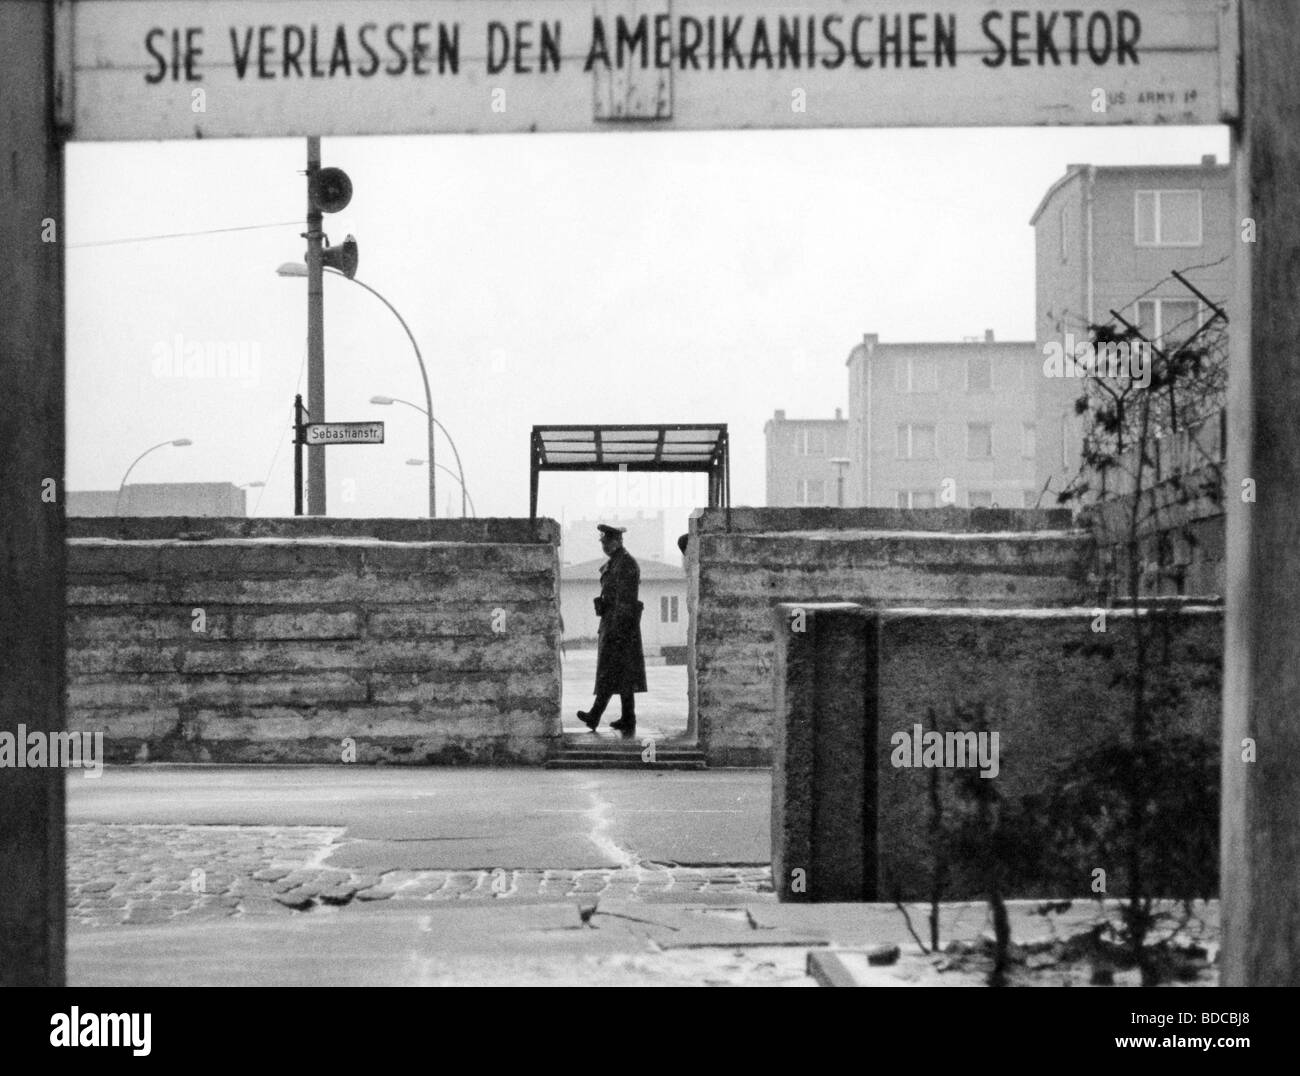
(315, 332)
(299, 439)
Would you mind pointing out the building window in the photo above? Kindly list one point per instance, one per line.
(916, 498)
(980, 498)
(1029, 441)
(810, 442)
(916, 373)
(1168, 322)
(1063, 224)
(979, 441)
(1167, 218)
(811, 491)
(915, 442)
(979, 373)
(668, 610)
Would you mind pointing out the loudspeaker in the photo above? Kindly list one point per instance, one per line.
(343, 257)
(332, 191)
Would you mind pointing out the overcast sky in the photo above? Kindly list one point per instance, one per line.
(644, 277)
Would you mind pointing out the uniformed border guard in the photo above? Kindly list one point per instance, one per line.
(620, 661)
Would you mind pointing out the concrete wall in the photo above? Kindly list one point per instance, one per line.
(854, 817)
(424, 641)
(875, 557)
(1053, 689)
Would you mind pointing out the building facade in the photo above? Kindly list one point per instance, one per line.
(1107, 239)
(934, 424)
(801, 455)
(644, 538)
(161, 499)
(663, 593)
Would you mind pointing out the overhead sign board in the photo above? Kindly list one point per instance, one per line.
(343, 433)
(178, 69)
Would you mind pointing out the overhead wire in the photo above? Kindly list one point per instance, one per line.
(183, 235)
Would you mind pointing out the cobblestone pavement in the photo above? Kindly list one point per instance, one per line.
(143, 874)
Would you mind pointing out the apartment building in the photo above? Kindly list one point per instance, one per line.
(1107, 238)
(933, 424)
(801, 460)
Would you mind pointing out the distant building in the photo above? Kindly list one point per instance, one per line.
(800, 452)
(161, 499)
(1106, 238)
(663, 593)
(942, 423)
(644, 538)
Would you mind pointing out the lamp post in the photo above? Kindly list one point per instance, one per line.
(298, 269)
(315, 330)
(388, 401)
(463, 493)
(841, 465)
(180, 442)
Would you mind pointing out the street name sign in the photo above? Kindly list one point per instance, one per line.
(343, 433)
(179, 69)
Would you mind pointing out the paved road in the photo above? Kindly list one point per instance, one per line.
(331, 875)
(460, 819)
(151, 844)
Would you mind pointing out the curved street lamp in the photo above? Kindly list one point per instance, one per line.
(180, 442)
(388, 401)
(463, 492)
(298, 269)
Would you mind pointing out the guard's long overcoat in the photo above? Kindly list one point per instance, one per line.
(620, 661)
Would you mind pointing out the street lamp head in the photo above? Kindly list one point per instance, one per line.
(182, 442)
(292, 269)
(415, 463)
(384, 401)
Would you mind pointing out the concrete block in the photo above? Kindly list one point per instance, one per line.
(158, 657)
(709, 522)
(422, 622)
(316, 629)
(824, 765)
(545, 532)
(491, 654)
(499, 686)
(271, 657)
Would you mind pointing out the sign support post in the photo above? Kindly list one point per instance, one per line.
(33, 231)
(299, 438)
(315, 331)
(1260, 820)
